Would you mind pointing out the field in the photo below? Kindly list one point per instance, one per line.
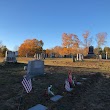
(93, 94)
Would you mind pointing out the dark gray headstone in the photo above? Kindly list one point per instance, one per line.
(38, 107)
(91, 50)
(35, 67)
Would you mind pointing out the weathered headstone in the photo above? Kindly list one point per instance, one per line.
(38, 107)
(35, 67)
(78, 83)
(56, 98)
(10, 57)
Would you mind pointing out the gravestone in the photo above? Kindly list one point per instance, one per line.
(91, 48)
(91, 52)
(79, 57)
(10, 56)
(106, 55)
(38, 107)
(56, 98)
(35, 67)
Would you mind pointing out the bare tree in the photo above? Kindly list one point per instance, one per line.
(0, 44)
(87, 41)
(101, 40)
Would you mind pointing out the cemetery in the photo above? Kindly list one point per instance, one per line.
(88, 86)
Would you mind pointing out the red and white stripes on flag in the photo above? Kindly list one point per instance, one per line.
(70, 77)
(27, 84)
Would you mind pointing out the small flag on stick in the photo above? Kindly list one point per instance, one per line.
(70, 77)
(27, 84)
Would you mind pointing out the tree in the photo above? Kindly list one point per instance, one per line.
(87, 42)
(70, 42)
(3, 50)
(30, 47)
(101, 39)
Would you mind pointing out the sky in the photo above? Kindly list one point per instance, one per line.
(47, 20)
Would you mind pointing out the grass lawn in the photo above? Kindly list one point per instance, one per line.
(11, 88)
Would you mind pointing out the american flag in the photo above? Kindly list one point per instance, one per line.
(27, 84)
(67, 85)
(70, 77)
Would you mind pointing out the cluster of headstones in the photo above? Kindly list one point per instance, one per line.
(39, 56)
(36, 67)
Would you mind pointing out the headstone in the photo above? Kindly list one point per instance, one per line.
(37, 56)
(35, 67)
(106, 55)
(38, 107)
(80, 59)
(10, 57)
(91, 48)
(100, 56)
(91, 52)
(77, 57)
(84, 78)
(78, 83)
(56, 98)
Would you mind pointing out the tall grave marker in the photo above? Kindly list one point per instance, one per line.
(91, 52)
(10, 56)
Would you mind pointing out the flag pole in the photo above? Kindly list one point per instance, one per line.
(21, 99)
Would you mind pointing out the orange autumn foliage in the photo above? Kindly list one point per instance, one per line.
(30, 47)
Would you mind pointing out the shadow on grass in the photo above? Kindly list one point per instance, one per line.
(94, 93)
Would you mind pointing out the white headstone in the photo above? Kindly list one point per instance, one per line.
(77, 56)
(106, 55)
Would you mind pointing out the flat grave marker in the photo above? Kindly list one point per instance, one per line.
(38, 107)
(56, 98)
